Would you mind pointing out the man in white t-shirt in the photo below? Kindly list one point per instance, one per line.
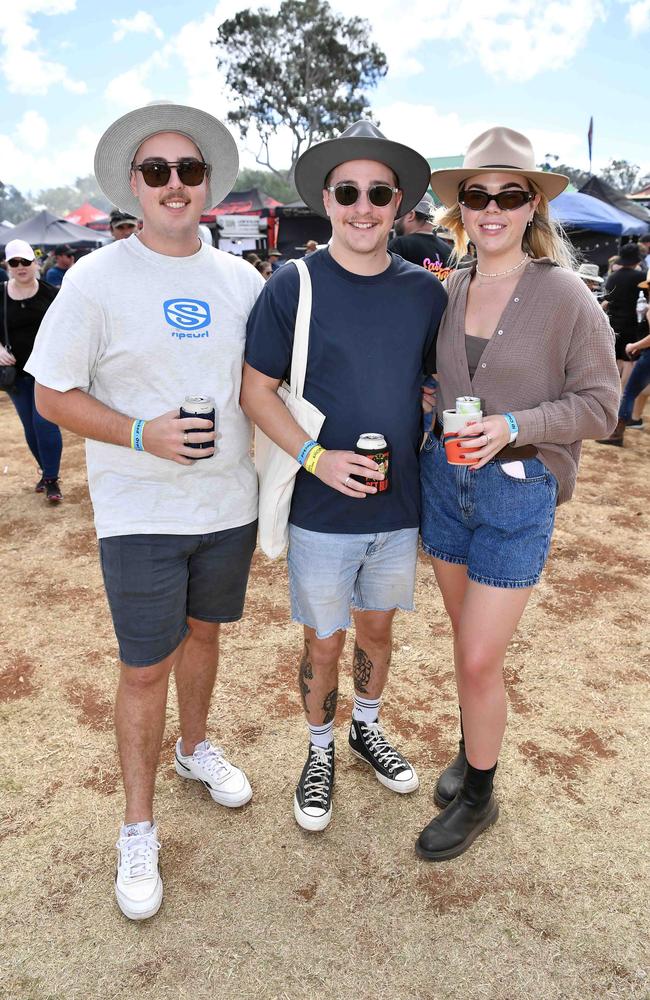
(140, 325)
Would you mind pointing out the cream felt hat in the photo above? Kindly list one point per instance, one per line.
(497, 150)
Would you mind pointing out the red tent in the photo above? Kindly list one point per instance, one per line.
(85, 214)
(244, 203)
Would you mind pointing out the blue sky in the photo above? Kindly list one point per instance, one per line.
(70, 67)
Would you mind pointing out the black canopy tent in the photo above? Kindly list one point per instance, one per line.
(46, 230)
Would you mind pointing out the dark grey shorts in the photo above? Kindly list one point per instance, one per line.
(154, 583)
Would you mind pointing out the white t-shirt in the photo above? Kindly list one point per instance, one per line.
(140, 331)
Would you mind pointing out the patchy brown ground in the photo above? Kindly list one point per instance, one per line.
(551, 904)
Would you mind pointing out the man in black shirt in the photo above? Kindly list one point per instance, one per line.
(621, 296)
(417, 242)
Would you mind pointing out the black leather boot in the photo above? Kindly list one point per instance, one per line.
(451, 779)
(472, 811)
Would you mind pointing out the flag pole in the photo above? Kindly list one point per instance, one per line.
(590, 139)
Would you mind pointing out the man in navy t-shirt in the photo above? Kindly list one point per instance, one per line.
(352, 546)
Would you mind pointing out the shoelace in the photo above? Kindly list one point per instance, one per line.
(213, 760)
(378, 745)
(318, 777)
(136, 855)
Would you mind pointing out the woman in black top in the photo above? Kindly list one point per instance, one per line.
(621, 296)
(24, 300)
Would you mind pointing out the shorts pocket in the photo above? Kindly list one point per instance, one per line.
(534, 472)
(430, 441)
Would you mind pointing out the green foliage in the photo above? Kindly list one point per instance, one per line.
(267, 182)
(304, 68)
(625, 176)
(14, 207)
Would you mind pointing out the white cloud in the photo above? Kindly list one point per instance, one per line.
(510, 39)
(141, 23)
(32, 131)
(24, 168)
(24, 64)
(638, 16)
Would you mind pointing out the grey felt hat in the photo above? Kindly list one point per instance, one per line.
(120, 141)
(361, 141)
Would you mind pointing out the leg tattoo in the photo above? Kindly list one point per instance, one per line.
(305, 673)
(362, 669)
(329, 706)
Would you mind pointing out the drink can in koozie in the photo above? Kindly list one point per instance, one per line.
(374, 446)
(199, 406)
(469, 405)
(457, 439)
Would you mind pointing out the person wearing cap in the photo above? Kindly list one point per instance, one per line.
(140, 325)
(591, 277)
(417, 242)
(524, 334)
(352, 546)
(275, 257)
(63, 261)
(122, 224)
(24, 301)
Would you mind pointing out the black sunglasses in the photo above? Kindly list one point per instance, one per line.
(156, 173)
(379, 195)
(507, 201)
(19, 262)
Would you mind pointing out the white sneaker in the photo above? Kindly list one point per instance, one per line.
(138, 885)
(227, 784)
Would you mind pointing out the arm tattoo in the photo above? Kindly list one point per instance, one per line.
(305, 673)
(329, 706)
(362, 669)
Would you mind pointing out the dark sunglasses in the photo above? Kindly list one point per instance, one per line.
(19, 262)
(507, 201)
(156, 173)
(379, 195)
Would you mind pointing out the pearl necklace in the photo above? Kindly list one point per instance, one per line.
(500, 274)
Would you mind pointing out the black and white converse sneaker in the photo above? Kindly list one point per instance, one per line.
(312, 804)
(367, 741)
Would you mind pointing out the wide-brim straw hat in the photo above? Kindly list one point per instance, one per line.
(497, 150)
(120, 142)
(590, 272)
(361, 141)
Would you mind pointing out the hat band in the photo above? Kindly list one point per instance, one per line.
(501, 166)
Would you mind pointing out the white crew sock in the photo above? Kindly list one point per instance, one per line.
(321, 736)
(136, 829)
(366, 709)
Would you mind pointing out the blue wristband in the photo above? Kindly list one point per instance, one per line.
(513, 426)
(136, 435)
(304, 451)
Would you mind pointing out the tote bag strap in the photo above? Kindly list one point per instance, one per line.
(301, 332)
(5, 322)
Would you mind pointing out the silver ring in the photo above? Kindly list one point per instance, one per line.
(184, 437)
(347, 482)
(488, 438)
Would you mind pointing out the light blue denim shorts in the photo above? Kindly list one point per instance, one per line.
(329, 574)
(498, 526)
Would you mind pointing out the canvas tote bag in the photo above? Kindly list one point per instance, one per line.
(276, 469)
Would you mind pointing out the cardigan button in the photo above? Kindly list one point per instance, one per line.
(484, 365)
(499, 333)
(517, 299)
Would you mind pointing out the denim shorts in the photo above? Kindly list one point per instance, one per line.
(498, 526)
(331, 573)
(155, 582)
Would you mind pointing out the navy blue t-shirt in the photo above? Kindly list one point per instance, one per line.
(368, 339)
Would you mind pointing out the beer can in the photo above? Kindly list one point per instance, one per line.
(199, 406)
(374, 446)
(468, 405)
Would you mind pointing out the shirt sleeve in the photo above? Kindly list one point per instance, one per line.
(70, 341)
(588, 405)
(270, 327)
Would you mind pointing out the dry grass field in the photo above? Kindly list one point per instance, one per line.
(550, 904)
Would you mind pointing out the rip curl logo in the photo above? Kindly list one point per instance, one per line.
(187, 316)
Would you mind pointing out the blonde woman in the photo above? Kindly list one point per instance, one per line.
(523, 333)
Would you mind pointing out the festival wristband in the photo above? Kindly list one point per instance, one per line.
(312, 458)
(304, 451)
(513, 426)
(137, 428)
